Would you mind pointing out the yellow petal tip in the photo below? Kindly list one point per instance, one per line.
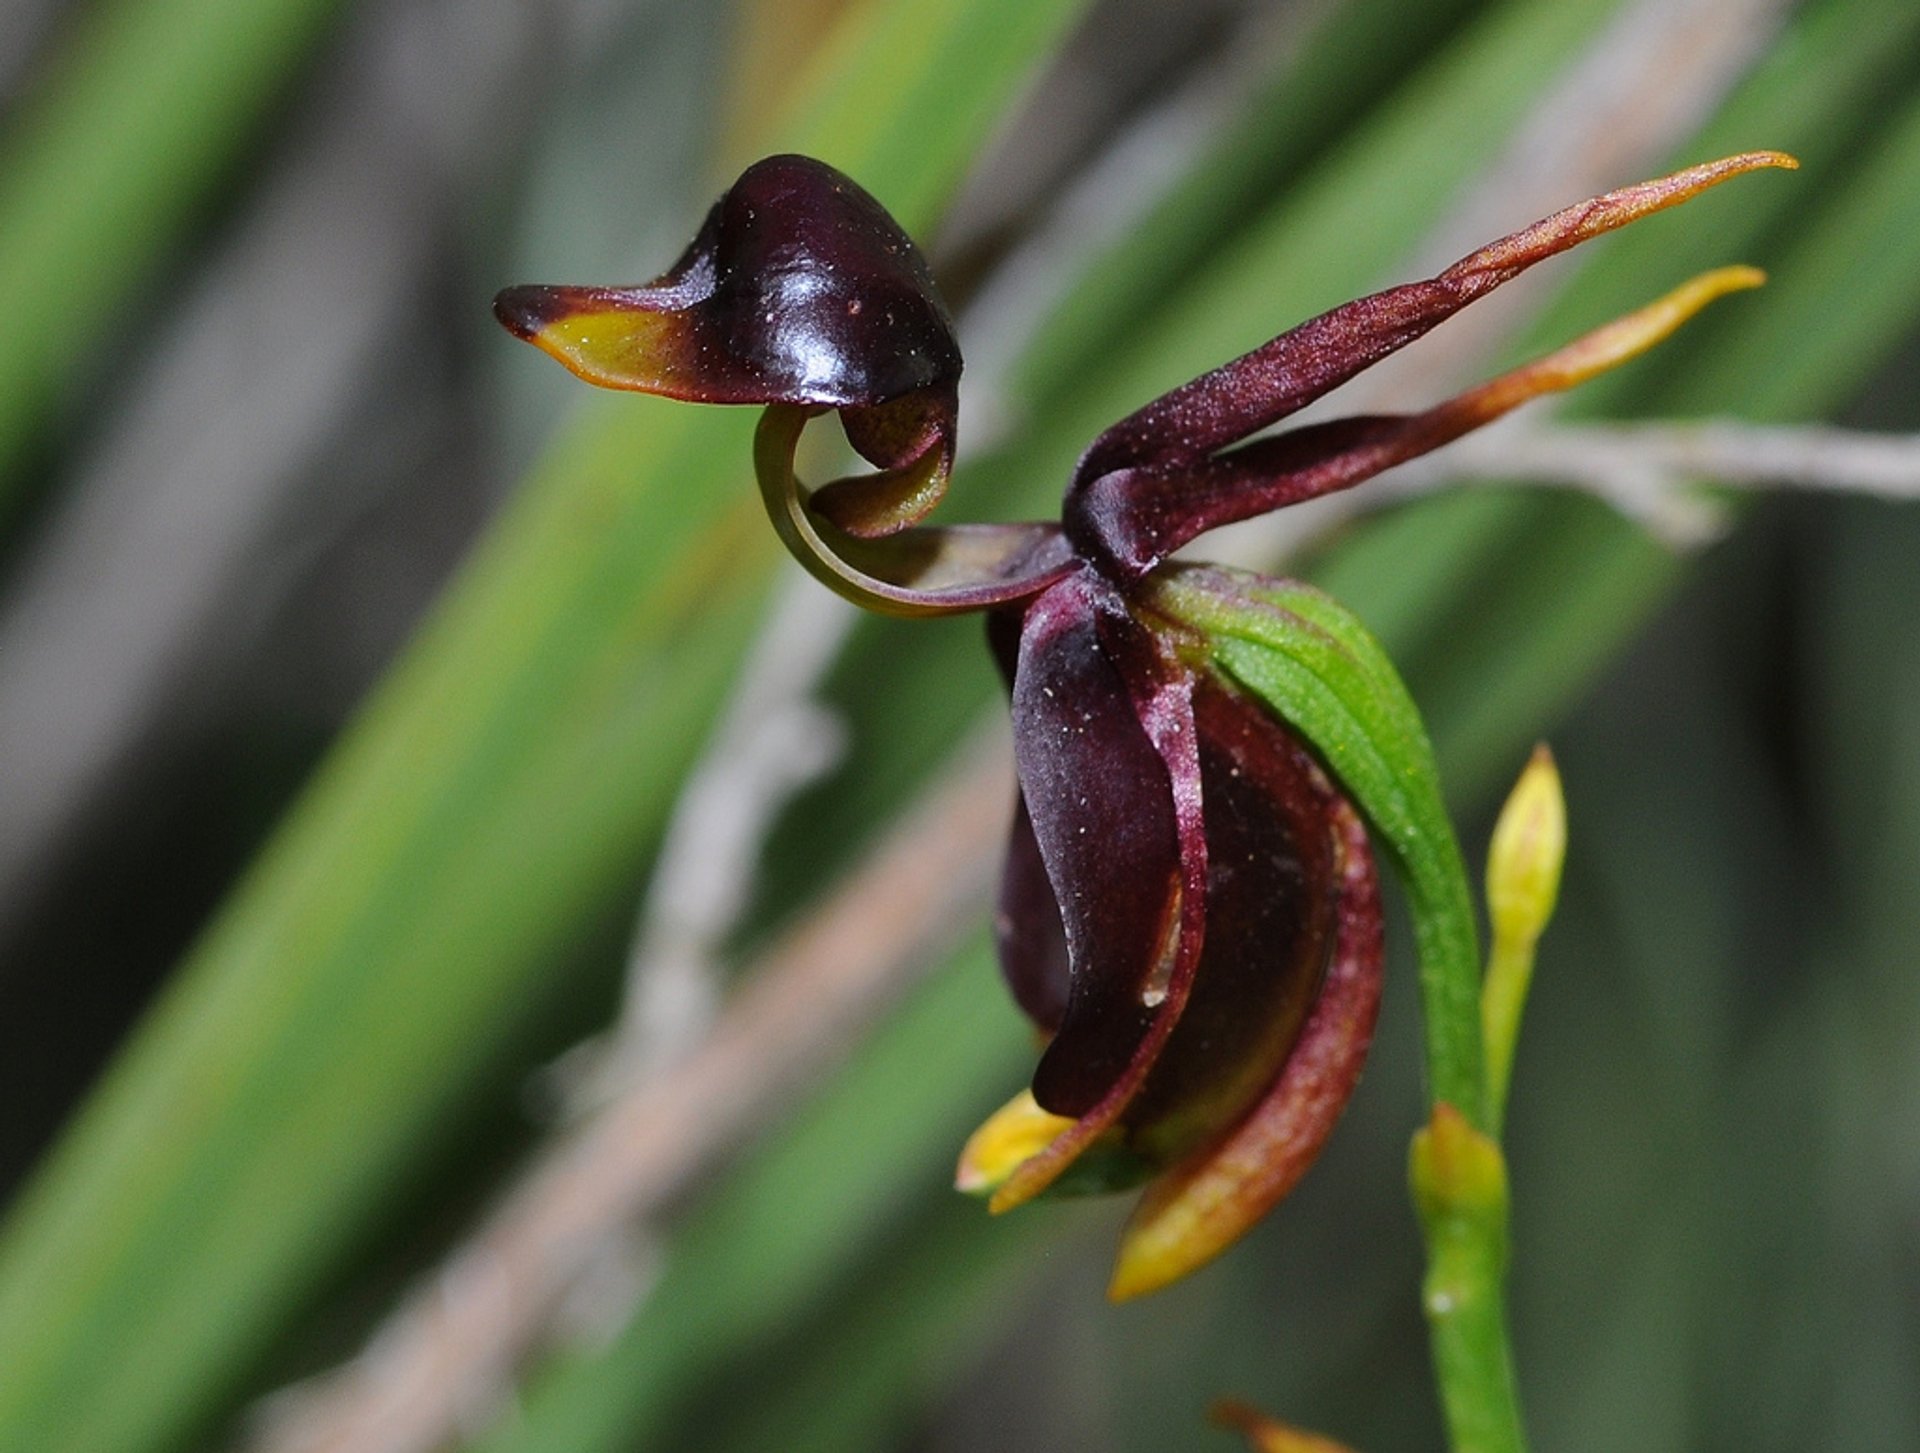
(1005, 1141)
(1154, 1254)
(1265, 1435)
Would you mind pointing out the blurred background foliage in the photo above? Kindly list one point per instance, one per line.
(352, 660)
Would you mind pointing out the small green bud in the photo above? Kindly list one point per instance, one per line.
(1529, 845)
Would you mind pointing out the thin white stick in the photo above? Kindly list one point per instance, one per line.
(773, 739)
(1651, 472)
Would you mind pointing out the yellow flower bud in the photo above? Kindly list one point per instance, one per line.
(1529, 845)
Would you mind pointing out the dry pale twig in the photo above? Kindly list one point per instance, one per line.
(1650, 472)
(774, 738)
(458, 1341)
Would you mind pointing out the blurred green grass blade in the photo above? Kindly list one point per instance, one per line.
(505, 782)
(501, 785)
(795, 1219)
(1844, 292)
(1821, 93)
(144, 110)
(1343, 228)
(1352, 53)
(946, 68)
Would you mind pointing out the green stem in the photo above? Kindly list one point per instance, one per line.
(1509, 974)
(1459, 1186)
(1448, 948)
(1463, 1296)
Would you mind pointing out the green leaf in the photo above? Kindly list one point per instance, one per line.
(1318, 669)
(1325, 85)
(147, 104)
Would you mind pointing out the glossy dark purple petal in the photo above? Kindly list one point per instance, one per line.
(1102, 810)
(1126, 852)
(799, 288)
(1027, 931)
(1201, 1207)
(1131, 519)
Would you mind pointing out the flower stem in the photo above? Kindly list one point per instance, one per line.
(1509, 974)
(1460, 1189)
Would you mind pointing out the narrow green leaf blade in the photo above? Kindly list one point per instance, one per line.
(147, 104)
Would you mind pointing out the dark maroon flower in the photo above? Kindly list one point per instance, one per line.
(1190, 909)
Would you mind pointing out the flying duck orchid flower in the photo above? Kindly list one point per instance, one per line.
(1189, 910)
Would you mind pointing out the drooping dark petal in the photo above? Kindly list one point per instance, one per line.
(799, 288)
(1273, 891)
(929, 570)
(1193, 1213)
(1131, 519)
(1104, 739)
(1101, 805)
(1284, 375)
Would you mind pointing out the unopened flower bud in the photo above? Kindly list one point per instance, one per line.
(1529, 845)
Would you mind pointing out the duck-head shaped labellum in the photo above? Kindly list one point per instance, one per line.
(799, 289)
(1189, 909)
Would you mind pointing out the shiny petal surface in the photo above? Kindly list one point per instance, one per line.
(1284, 375)
(1196, 1211)
(912, 441)
(799, 288)
(1101, 805)
(1134, 518)
(1028, 935)
(1109, 767)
